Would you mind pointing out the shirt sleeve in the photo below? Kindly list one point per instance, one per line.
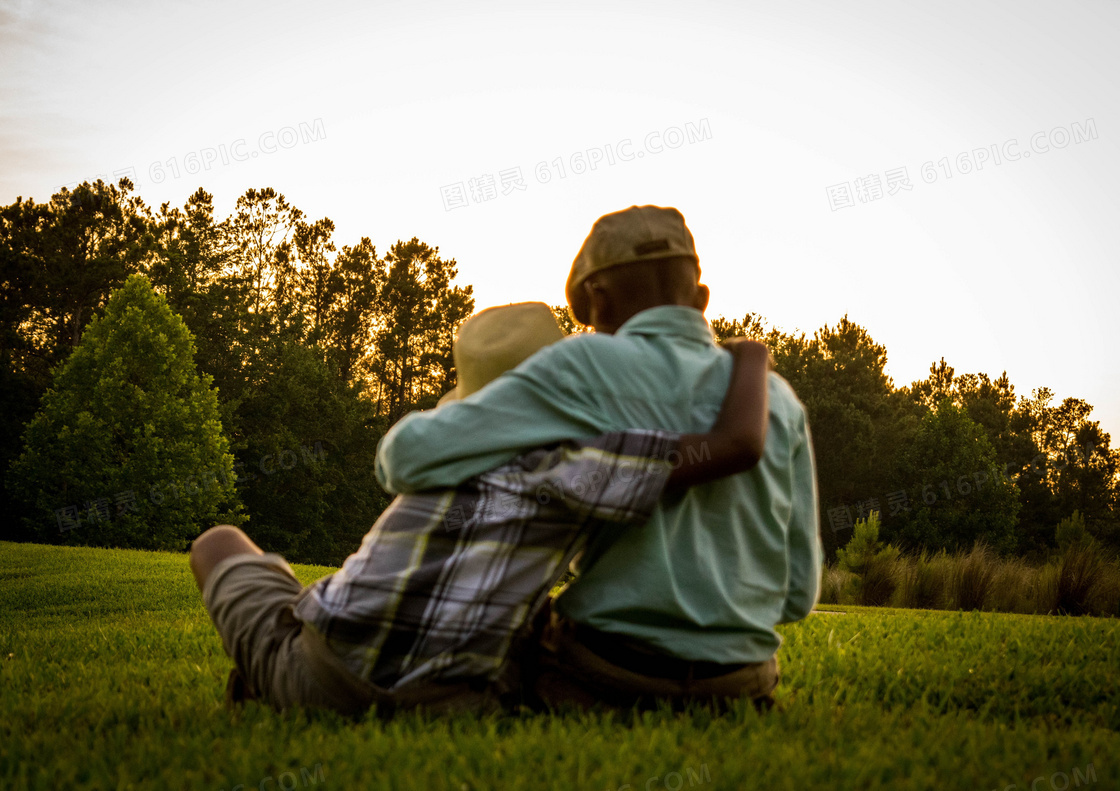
(532, 406)
(805, 551)
(615, 477)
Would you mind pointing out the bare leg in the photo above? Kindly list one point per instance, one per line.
(214, 546)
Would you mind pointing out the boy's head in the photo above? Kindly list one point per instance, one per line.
(496, 340)
(634, 259)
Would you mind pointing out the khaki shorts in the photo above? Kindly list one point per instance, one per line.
(251, 599)
(568, 672)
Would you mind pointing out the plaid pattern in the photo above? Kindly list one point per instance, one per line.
(444, 580)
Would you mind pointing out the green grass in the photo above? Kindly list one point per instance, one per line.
(111, 676)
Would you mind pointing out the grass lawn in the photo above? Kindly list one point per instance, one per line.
(112, 677)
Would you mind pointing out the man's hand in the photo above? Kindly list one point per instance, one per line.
(743, 416)
(736, 441)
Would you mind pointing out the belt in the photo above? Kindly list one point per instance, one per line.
(613, 649)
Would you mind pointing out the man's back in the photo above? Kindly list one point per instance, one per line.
(714, 569)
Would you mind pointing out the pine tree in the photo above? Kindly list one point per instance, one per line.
(127, 448)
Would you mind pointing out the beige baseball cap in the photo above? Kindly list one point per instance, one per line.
(640, 233)
(497, 340)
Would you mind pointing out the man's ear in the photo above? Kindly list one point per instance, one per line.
(599, 305)
(700, 299)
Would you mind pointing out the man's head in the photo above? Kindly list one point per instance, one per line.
(634, 259)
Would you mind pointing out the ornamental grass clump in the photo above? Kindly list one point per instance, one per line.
(1081, 575)
(1013, 587)
(835, 585)
(1088, 578)
(923, 582)
(973, 575)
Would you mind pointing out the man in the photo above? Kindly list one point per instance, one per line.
(435, 606)
(683, 608)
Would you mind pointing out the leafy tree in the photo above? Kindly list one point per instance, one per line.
(1080, 472)
(312, 275)
(303, 439)
(93, 239)
(564, 318)
(355, 285)
(190, 268)
(258, 238)
(419, 311)
(859, 423)
(939, 386)
(991, 404)
(188, 246)
(58, 263)
(22, 285)
(864, 546)
(752, 325)
(871, 561)
(127, 448)
(306, 471)
(1059, 459)
(1072, 531)
(23, 375)
(957, 493)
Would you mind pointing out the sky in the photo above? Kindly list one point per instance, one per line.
(945, 174)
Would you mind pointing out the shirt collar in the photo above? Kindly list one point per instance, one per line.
(675, 320)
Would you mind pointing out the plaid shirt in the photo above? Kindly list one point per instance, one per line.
(445, 580)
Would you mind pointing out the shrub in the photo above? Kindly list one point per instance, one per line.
(1072, 532)
(871, 562)
(863, 546)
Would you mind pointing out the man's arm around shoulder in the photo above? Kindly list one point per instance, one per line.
(532, 406)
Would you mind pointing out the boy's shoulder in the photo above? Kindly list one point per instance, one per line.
(575, 351)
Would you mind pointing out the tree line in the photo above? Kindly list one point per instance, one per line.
(946, 461)
(308, 344)
(312, 350)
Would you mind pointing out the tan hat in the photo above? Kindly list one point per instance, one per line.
(640, 233)
(496, 340)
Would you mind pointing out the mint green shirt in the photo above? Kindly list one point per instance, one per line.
(714, 569)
